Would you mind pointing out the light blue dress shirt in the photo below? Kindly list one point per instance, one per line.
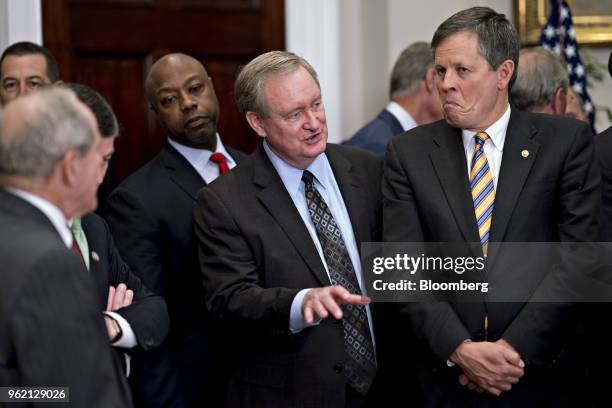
(326, 184)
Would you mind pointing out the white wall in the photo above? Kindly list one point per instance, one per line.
(368, 35)
(20, 20)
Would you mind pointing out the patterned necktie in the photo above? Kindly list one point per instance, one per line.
(360, 367)
(219, 159)
(483, 190)
(79, 241)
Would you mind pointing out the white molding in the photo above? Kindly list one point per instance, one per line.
(313, 32)
(21, 20)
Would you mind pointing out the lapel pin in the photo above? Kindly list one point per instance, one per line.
(95, 256)
(525, 153)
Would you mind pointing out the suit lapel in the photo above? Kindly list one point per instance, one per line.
(100, 274)
(181, 171)
(350, 184)
(449, 162)
(514, 171)
(275, 198)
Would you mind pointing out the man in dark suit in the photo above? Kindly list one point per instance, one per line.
(151, 218)
(136, 319)
(51, 331)
(414, 100)
(24, 67)
(541, 82)
(531, 178)
(603, 147)
(279, 248)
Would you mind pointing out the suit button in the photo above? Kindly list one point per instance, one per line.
(338, 368)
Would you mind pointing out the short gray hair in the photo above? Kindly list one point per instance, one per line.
(540, 75)
(497, 38)
(410, 69)
(36, 131)
(248, 89)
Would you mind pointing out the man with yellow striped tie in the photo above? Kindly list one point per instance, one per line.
(489, 173)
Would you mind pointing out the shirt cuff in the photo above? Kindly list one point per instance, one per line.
(128, 338)
(296, 318)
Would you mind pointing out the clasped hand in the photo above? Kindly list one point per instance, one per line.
(491, 367)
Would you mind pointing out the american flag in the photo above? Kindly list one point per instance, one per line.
(559, 35)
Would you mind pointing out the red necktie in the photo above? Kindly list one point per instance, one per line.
(76, 249)
(221, 162)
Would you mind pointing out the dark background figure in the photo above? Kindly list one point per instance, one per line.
(414, 100)
(541, 83)
(140, 318)
(151, 219)
(24, 67)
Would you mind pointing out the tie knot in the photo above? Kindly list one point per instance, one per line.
(217, 158)
(481, 137)
(76, 226)
(307, 177)
(220, 160)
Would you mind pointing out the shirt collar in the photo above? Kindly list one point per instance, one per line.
(402, 115)
(51, 212)
(496, 132)
(199, 157)
(292, 176)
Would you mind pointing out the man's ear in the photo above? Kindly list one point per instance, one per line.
(559, 101)
(256, 123)
(430, 81)
(504, 73)
(69, 168)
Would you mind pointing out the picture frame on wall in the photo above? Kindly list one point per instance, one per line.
(592, 20)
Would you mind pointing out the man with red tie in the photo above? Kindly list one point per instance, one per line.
(151, 218)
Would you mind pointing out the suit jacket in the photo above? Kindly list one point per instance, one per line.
(551, 195)
(51, 328)
(375, 135)
(603, 148)
(151, 218)
(256, 254)
(147, 315)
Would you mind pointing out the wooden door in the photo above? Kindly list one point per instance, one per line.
(111, 44)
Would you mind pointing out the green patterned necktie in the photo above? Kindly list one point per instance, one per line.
(79, 236)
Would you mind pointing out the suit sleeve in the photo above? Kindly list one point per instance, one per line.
(233, 291)
(604, 154)
(148, 314)
(436, 322)
(60, 336)
(540, 325)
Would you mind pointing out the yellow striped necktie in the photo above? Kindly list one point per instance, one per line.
(483, 190)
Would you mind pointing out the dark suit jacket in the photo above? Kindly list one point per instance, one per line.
(375, 135)
(256, 255)
(51, 328)
(603, 148)
(151, 218)
(551, 195)
(147, 315)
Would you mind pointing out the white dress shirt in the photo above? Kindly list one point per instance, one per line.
(403, 117)
(493, 148)
(200, 159)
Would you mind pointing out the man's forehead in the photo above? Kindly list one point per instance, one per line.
(176, 70)
(28, 64)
